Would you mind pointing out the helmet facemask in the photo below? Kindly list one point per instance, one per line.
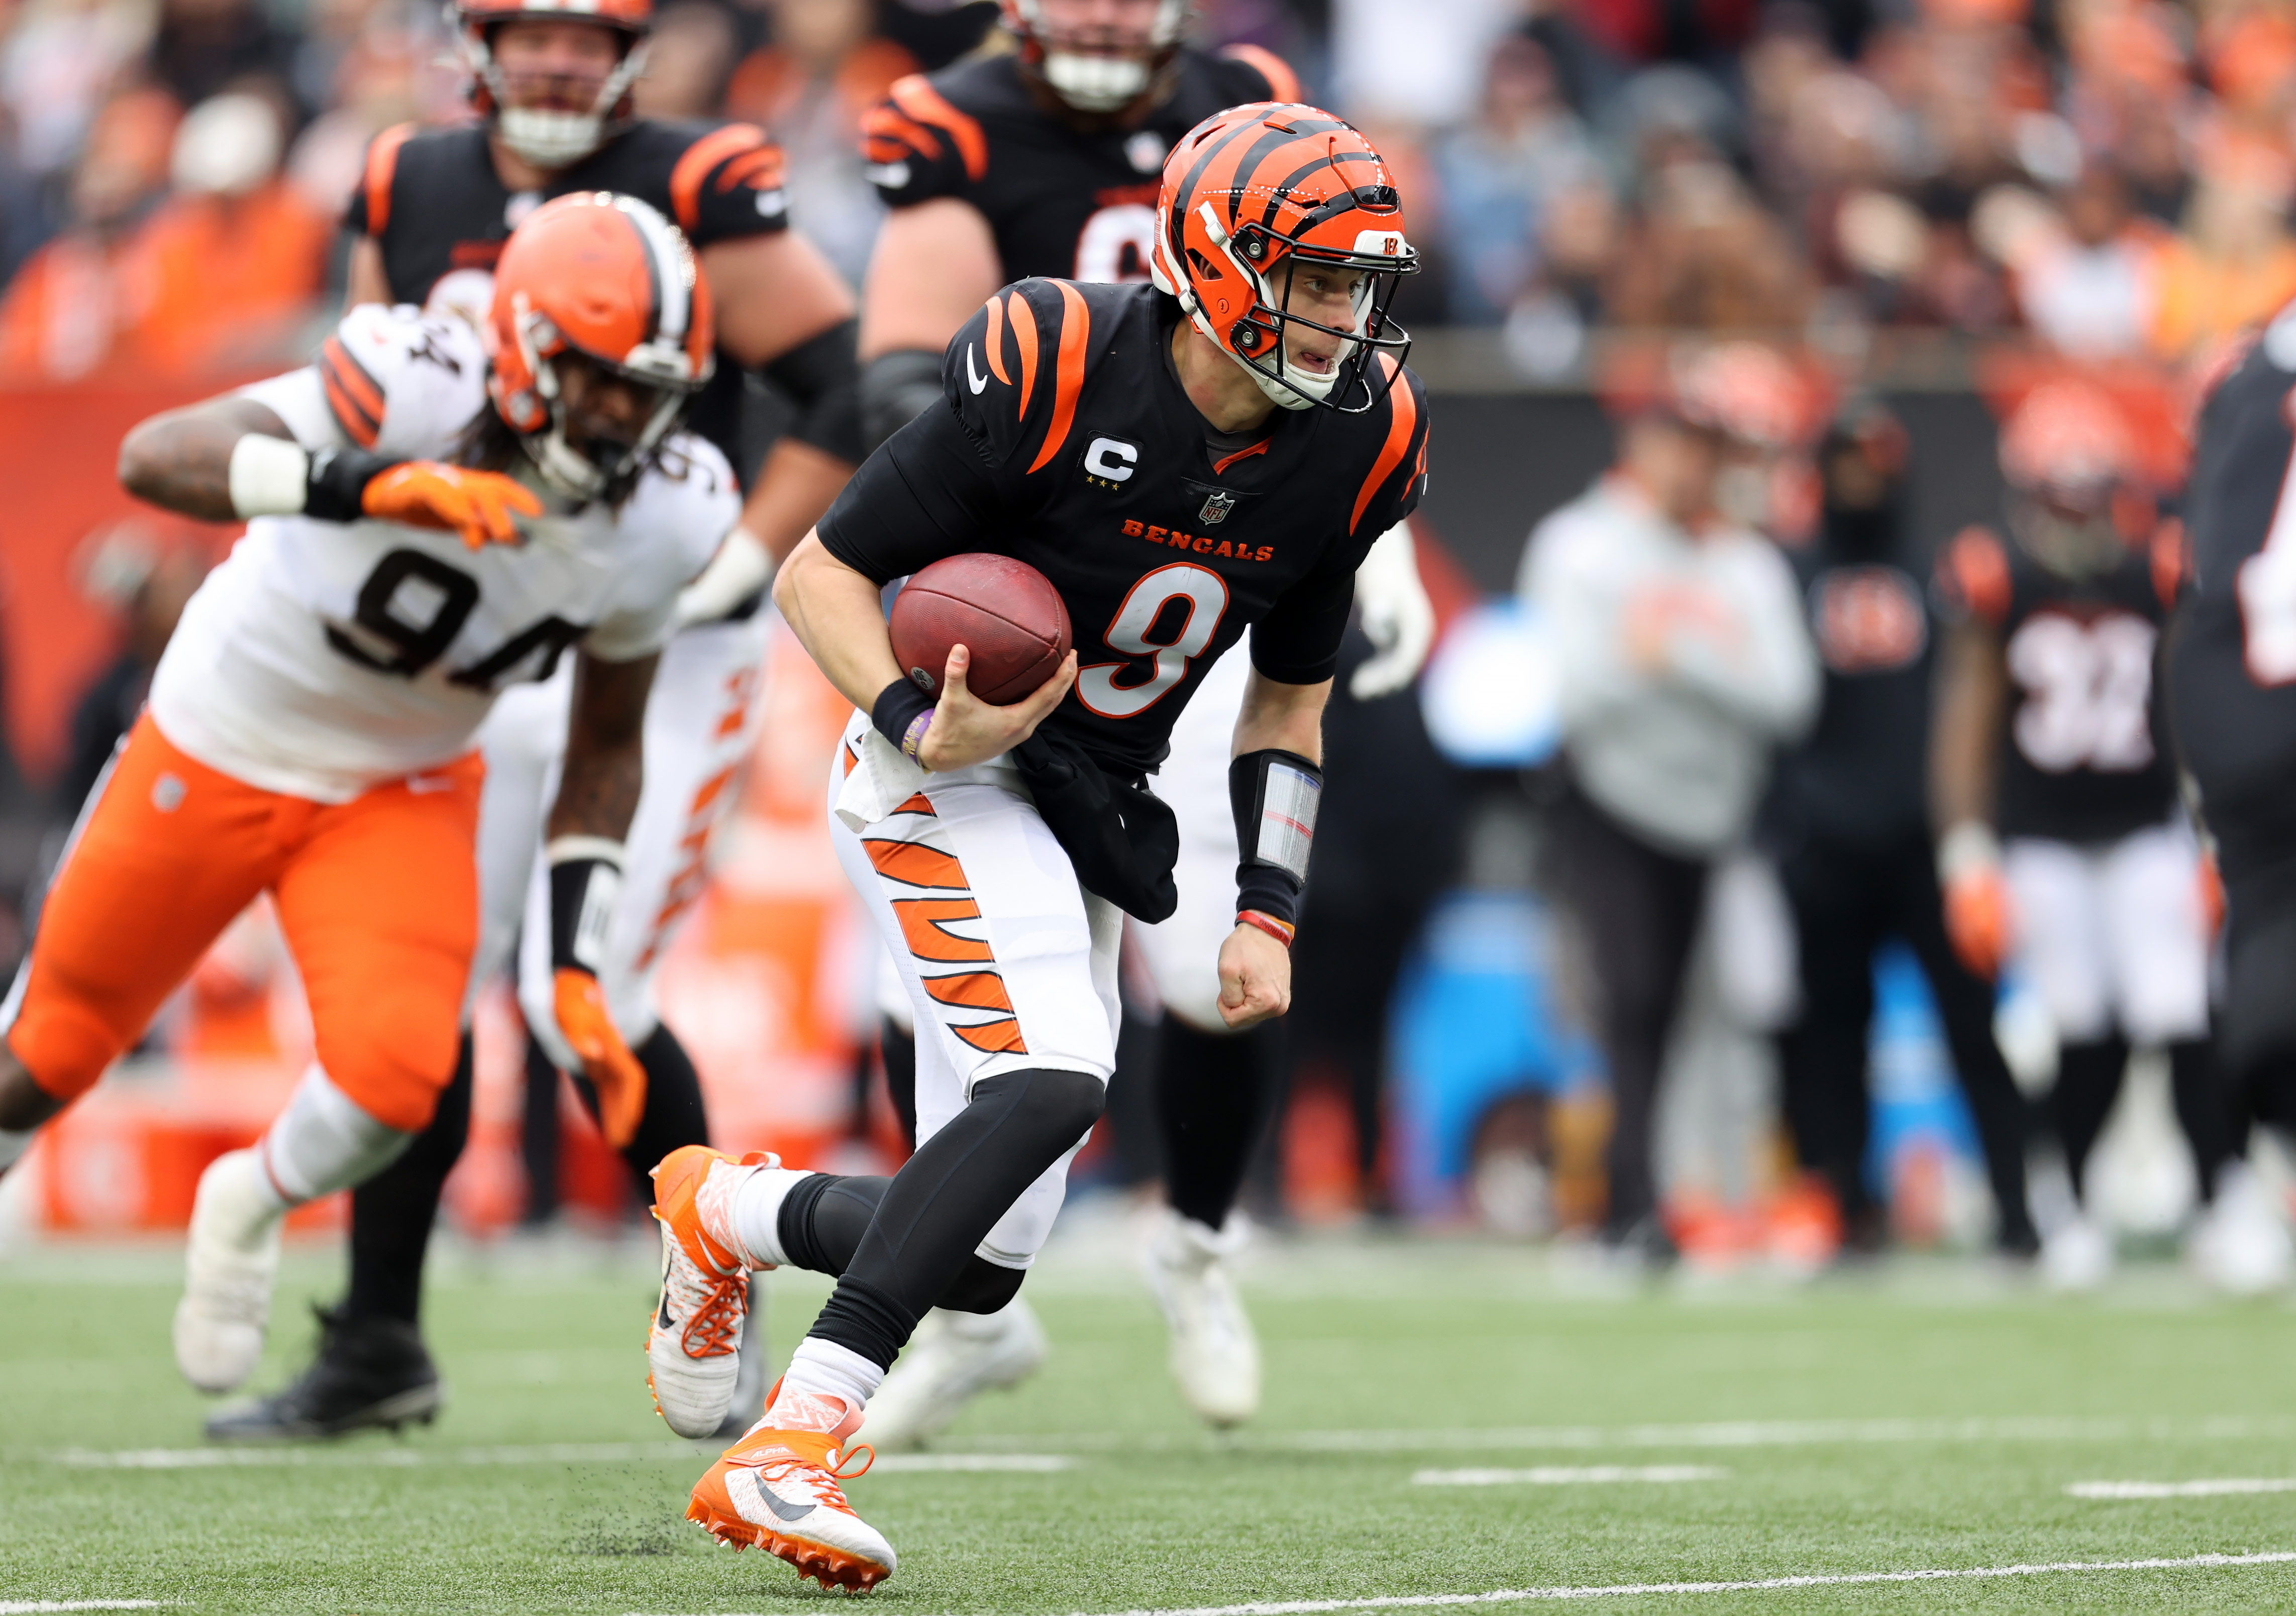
(1090, 80)
(549, 137)
(576, 460)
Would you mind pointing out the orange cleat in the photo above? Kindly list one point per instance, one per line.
(693, 1345)
(778, 1490)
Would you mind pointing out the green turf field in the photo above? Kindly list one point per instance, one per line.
(1930, 1419)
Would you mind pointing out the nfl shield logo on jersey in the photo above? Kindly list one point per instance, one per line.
(1216, 507)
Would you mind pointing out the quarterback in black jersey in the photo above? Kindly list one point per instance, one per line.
(2063, 841)
(1127, 442)
(1041, 162)
(429, 221)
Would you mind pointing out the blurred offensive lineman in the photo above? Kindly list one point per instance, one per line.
(1044, 162)
(478, 508)
(552, 80)
(999, 857)
(2063, 843)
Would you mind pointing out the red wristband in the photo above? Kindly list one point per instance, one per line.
(1281, 930)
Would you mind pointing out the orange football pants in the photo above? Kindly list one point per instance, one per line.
(378, 896)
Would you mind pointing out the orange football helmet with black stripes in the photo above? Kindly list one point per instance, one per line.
(1251, 197)
(545, 137)
(608, 279)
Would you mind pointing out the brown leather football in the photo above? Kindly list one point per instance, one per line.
(1005, 612)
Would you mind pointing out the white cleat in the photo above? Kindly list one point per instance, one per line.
(694, 1344)
(953, 1358)
(1214, 1353)
(2241, 1246)
(229, 1264)
(2075, 1255)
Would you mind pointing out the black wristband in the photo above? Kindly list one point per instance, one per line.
(1274, 794)
(338, 480)
(896, 706)
(582, 894)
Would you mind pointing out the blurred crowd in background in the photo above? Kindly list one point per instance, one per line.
(2006, 192)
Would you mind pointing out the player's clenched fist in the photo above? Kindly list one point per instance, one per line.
(482, 507)
(1255, 976)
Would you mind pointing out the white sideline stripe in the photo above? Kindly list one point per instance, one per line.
(547, 1452)
(1568, 1475)
(1787, 1434)
(1602, 1590)
(2182, 1490)
(25, 1607)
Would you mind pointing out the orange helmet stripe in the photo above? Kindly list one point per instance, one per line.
(1068, 371)
(1283, 83)
(997, 339)
(917, 97)
(1024, 332)
(1402, 419)
(694, 164)
(382, 166)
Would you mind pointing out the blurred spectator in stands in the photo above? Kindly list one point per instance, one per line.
(225, 272)
(1421, 73)
(1578, 247)
(1681, 661)
(1499, 175)
(374, 81)
(823, 68)
(689, 61)
(202, 47)
(1703, 256)
(25, 220)
(2233, 264)
(2089, 288)
(65, 308)
(145, 573)
(2151, 152)
(61, 60)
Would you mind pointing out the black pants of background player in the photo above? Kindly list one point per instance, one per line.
(1637, 909)
(1847, 901)
(2257, 1024)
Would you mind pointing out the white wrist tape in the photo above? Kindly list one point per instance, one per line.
(269, 476)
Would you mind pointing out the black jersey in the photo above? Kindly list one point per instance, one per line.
(1861, 776)
(433, 203)
(1068, 443)
(1061, 200)
(2232, 659)
(2083, 757)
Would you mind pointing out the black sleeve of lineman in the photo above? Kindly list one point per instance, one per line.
(1298, 642)
(929, 492)
(824, 380)
(896, 388)
(946, 1198)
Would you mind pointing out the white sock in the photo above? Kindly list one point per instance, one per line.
(822, 1369)
(325, 1141)
(13, 1147)
(754, 1217)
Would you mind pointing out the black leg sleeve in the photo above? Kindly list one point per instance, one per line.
(946, 1199)
(538, 1134)
(1214, 1093)
(2088, 1081)
(1821, 1058)
(392, 1213)
(900, 1052)
(674, 1114)
(2204, 1111)
(823, 1216)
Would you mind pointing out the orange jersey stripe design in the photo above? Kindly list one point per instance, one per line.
(1068, 371)
(760, 170)
(1024, 333)
(699, 158)
(887, 136)
(927, 105)
(381, 164)
(354, 395)
(1283, 83)
(996, 340)
(1402, 418)
(935, 927)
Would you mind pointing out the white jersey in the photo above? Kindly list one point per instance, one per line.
(323, 658)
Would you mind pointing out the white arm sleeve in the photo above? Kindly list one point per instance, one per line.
(300, 400)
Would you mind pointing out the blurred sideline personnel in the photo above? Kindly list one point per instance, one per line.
(2064, 846)
(2231, 666)
(999, 858)
(1044, 161)
(1848, 822)
(311, 723)
(553, 81)
(1681, 663)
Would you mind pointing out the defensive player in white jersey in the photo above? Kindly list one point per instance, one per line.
(311, 724)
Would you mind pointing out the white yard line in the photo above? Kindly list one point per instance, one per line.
(1568, 1475)
(545, 1453)
(25, 1607)
(2216, 1488)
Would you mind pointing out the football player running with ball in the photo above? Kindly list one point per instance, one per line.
(1044, 162)
(433, 517)
(999, 848)
(550, 79)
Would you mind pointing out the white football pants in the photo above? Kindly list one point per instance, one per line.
(2113, 936)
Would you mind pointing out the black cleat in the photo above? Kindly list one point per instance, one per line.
(369, 1372)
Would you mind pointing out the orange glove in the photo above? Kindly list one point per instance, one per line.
(480, 505)
(613, 1071)
(1977, 919)
(2210, 880)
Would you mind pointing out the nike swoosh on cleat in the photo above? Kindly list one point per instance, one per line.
(664, 1319)
(782, 1507)
(973, 376)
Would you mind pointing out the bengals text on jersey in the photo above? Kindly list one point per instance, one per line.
(1068, 443)
(1060, 201)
